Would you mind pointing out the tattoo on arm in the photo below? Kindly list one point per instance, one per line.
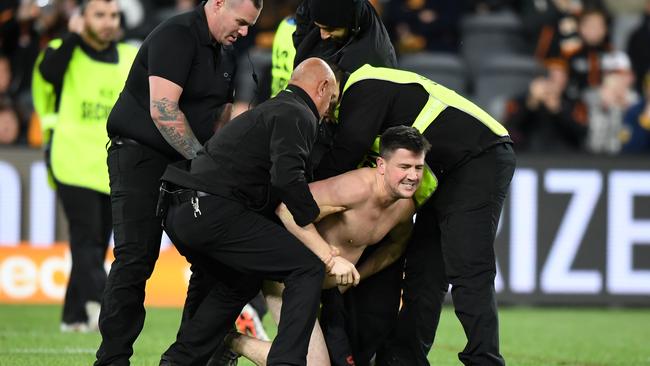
(173, 125)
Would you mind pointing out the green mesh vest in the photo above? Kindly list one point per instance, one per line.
(90, 89)
(283, 55)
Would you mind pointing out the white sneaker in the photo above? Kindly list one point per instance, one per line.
(92, 309)
(74, 327)
(250, 323)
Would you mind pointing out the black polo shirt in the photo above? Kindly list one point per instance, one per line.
(181, 50)
(260, 158)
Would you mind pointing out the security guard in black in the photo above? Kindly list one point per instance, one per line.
(235, 184)
(186, 51)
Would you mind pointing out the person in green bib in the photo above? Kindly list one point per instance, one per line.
(469, 169)
(76, 84)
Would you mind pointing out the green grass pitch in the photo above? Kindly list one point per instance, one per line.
(29, 336)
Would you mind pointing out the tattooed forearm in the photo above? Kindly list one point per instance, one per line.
(167, 110)
(173, 126)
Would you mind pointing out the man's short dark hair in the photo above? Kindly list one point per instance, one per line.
(402, 137)
(84, 4)
(337, 71)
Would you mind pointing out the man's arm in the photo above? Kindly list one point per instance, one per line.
(170, 56)
(345, 272)
(325, 193)
(168, 117)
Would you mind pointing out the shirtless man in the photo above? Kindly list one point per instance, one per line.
(362, 207)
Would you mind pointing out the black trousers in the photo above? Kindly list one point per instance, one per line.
(453, 243)
(89, 225)
(357, 323)
(238, 248)
(134, 172)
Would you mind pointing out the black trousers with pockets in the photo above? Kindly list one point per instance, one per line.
(134, 172)
(238, 248)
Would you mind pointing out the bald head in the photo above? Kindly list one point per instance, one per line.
(316, 78)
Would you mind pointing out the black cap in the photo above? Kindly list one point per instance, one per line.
(333, 13)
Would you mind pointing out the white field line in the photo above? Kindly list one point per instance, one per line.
(48, 351)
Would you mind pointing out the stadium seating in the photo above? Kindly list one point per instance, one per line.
(502, 77)
(486, 35)
(443, 68)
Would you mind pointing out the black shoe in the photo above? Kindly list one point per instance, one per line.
(223, 355)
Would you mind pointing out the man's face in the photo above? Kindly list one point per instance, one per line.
(8, 127)
(5, 74)
(233, 20)
(593, 29)
(402, 172)
(336, 34)
(102, 20)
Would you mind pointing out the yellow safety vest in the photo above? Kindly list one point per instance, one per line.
(440, 98)
(90, 89)
(283, 55)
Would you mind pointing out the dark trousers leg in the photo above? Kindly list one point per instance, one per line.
(200, 334)
(373, 307)
(234, 237)
(424, 288)
(134, 174)
(89, 224)
(259, 304)
(468, 252)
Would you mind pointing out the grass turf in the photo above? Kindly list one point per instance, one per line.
(29, 335)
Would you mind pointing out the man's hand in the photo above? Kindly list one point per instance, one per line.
(77, 24)
(344, 272)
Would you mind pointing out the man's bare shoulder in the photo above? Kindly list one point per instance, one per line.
(345, 189)
(405, 209)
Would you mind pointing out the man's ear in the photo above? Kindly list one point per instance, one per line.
(381, 165)
(216, 4)
(323, 87)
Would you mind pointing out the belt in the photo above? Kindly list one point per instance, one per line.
(186, 195)
(119, 140)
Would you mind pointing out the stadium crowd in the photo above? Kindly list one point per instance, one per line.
(589, 93)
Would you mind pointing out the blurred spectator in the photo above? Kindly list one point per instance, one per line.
(545, 120)
(636, 123)
(8, 26)
(552, 25)
(487, 6)
(140, 17)
(9, 124)
(585, 65)
(638, 48)
(5, 75)
(423, 25)
(12, 117)
(607, 104)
